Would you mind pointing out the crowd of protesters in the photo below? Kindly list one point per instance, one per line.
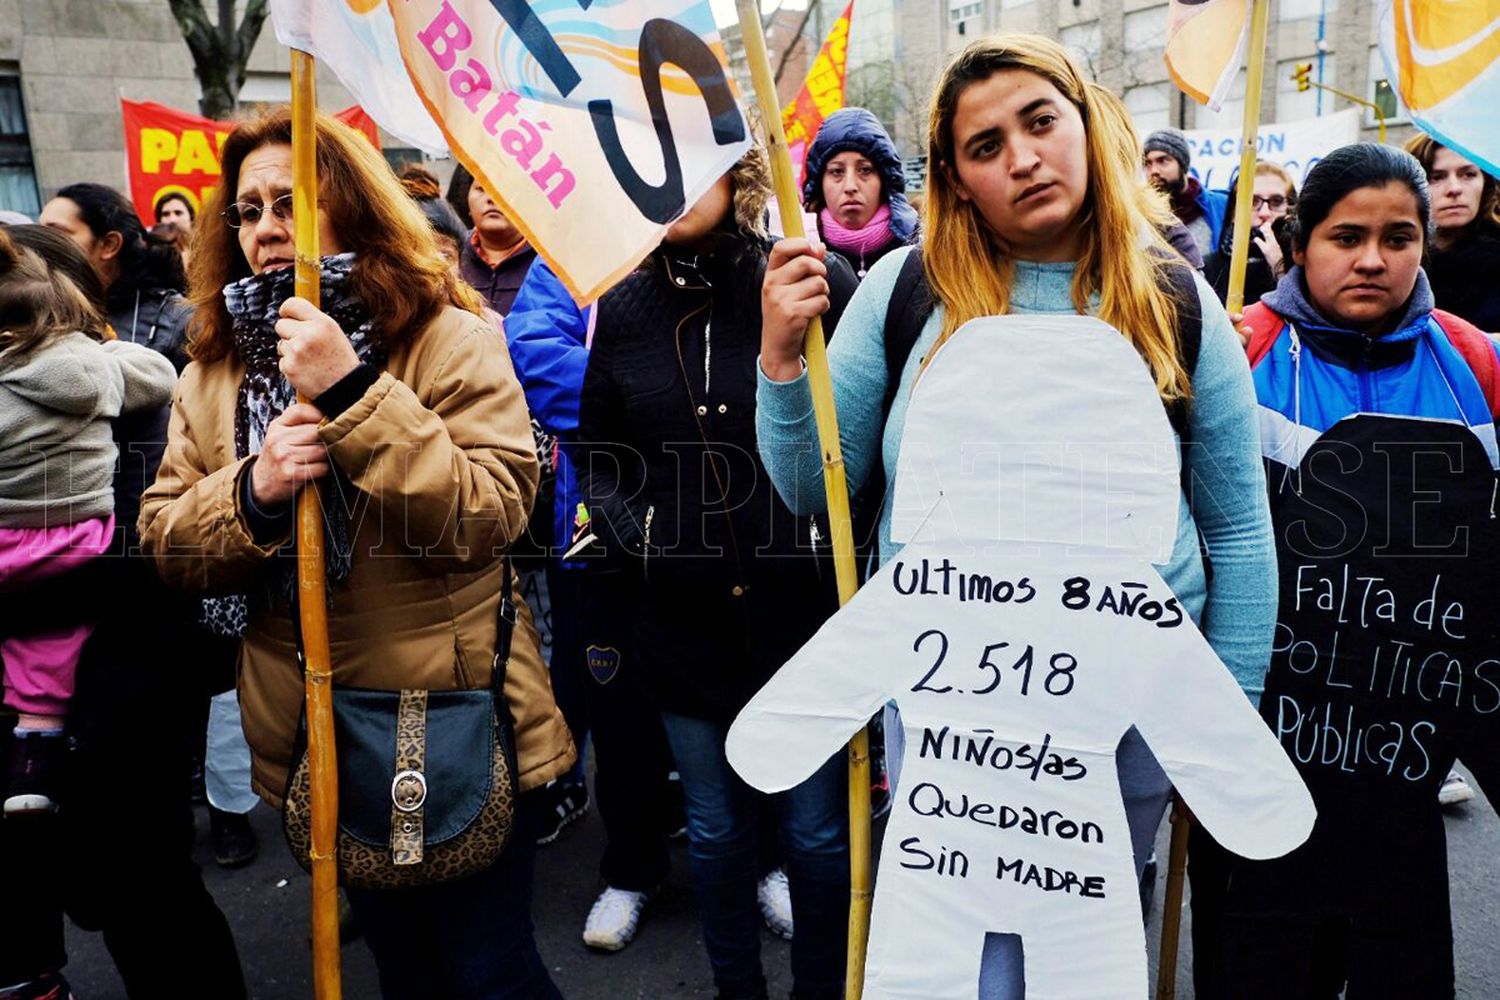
(641, 478)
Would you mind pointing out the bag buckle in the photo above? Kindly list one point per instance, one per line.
(408, 791)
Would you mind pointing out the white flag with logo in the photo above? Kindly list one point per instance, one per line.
(592, 124)
(357, 40)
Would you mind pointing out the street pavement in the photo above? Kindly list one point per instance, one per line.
(267, 903)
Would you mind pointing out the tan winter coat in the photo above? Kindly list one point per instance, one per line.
(441, 453)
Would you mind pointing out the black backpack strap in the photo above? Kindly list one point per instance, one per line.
(910, 304)
(1177, 281)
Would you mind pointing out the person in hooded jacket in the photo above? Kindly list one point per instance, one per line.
(856, 185)
(142, 274)
(1463, 259)
(726, 582)
(122, 678)
(1350, 349)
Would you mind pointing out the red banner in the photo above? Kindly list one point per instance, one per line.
(822, 93)
(172, 152)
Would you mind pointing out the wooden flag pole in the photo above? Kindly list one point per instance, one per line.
(312, 602)
(834, 486)
(1171, 908)
(1255, 72)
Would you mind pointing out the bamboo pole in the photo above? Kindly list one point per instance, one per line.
(1255, 72)
(834, 486)
(312, 602)
(1171, 908)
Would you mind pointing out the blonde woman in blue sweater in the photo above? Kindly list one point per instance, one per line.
(1033, 206)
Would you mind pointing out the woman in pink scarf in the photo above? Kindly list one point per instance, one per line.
(856, 185)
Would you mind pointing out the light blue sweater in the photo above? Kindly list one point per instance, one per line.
(1237, 610)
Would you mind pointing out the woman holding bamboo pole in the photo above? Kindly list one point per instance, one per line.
(1033, 207)
(420, 434)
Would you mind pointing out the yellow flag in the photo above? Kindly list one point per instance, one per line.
(1206, 45)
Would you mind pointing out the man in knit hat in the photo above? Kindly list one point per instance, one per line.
(1166, 158)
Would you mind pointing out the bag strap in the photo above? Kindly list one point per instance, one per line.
(1264, 326)
(505, 627)
(1478, 351)
(910, 305)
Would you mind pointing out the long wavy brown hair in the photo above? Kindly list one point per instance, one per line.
(398, 273)
(1425, 148)
(971, 270)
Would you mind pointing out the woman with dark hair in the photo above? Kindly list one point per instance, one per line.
(1463, 258)
(496, 255)
(1370, 398)
(142, 274)
(428, 194)
(857, 186)
(174, 209)
(123, 678)
(415, 416)
(724, 580)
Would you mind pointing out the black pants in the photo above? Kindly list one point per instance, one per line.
(469, 939)
(631, 758)
(123, 837)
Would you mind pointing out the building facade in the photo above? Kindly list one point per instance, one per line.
(1120, 44)
(65, 65)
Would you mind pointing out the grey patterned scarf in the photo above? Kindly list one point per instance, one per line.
(254, 305)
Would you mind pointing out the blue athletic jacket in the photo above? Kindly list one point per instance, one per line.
(548, 338)
(1310, 375)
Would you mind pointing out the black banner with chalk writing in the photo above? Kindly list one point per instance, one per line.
(1385, 668)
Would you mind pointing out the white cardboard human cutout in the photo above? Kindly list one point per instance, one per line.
(1036, 454)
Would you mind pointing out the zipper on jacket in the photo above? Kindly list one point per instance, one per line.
(708, 355)
(646, 541)
(815, 536)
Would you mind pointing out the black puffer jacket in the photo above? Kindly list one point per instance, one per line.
(1466, 278)
(156, 317)
(729, 586)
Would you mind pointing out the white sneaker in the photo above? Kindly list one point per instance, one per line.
(613, 919)
(1454, 790)
(775, 896)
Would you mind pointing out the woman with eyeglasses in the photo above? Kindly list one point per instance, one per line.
(416, 427)
(1273, 195)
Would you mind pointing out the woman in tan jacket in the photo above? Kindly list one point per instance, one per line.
(420, 434)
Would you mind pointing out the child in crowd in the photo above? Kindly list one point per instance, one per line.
(60, 387)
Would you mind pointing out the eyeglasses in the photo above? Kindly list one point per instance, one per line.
(1275, 203)
(248, 213)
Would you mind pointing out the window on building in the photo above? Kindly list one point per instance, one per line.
(1231, 114)
(961, 11)
(1292, 105)
(1083, 41)
(1296, 10)
(1146, 30)
(1382, 91)
(18, 191)
(1150, 106)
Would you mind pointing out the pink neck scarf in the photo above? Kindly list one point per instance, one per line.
(871, 236)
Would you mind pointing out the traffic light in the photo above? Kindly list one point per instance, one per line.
(1301, 74)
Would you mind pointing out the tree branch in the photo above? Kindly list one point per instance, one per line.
(249, 30)
(193, 22)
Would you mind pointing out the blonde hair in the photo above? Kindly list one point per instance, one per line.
(1117, 217)
(38, 304)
